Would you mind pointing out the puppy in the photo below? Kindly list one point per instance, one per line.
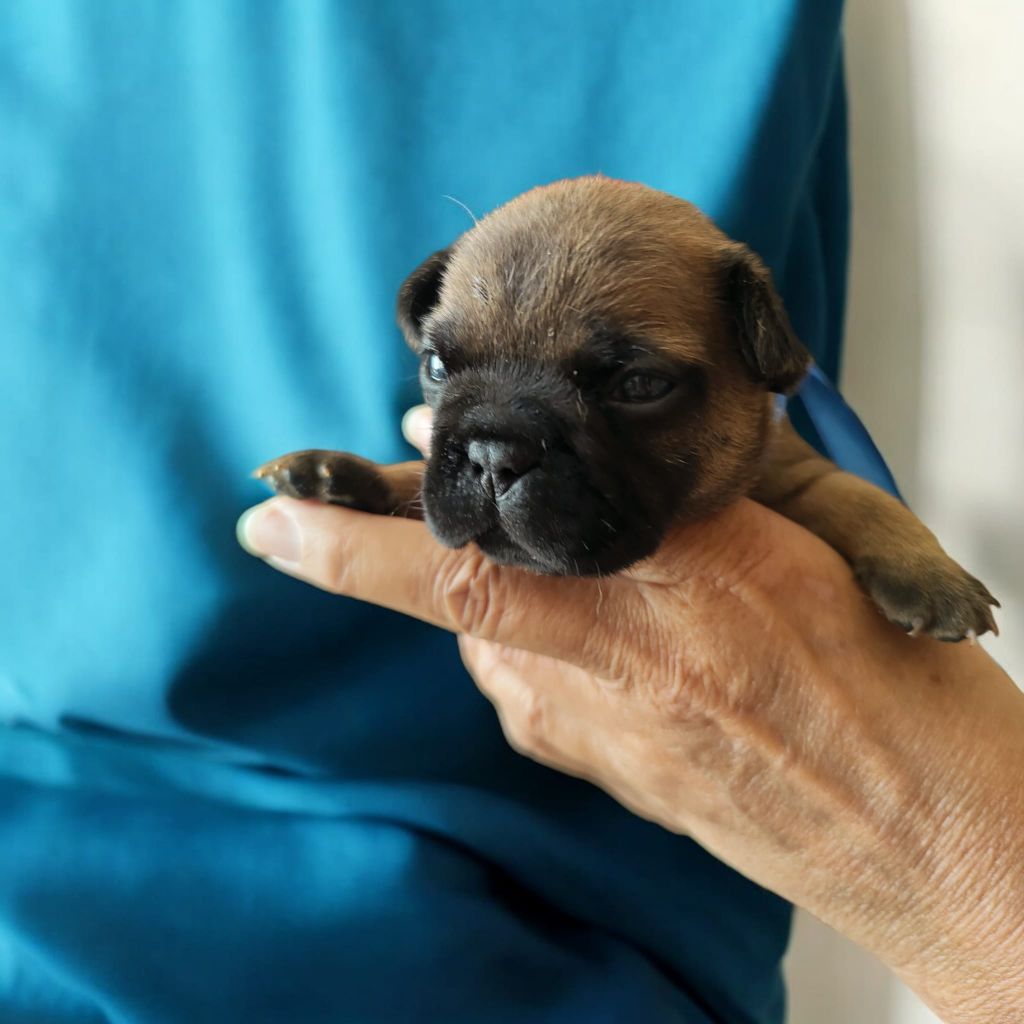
(602, 362)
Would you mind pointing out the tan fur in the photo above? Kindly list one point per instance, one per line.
(618, 251)
(532, 279)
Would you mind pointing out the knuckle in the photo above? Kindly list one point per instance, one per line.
(663, 663)
(525, 725)
(618, 655)
(473, 593)
(534, 715)
(516, 736)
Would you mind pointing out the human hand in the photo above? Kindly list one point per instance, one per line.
(739, 686)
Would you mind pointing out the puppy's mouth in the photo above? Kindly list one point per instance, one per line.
(564, 556)
(496, 543)
(549, 518)
(499, 546)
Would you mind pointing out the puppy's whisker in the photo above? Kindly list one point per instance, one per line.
(581, 405)
(459, 202)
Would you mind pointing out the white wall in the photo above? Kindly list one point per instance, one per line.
(935, 343)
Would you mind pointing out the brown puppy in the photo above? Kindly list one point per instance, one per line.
(601, 359)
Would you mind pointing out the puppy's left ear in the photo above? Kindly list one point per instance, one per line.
(766, 338)
(419, 294)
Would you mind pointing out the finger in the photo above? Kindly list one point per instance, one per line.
(538, 694)
(417, 426)
(537, 721)
(397, 564)
(596, 698)
(552, 728)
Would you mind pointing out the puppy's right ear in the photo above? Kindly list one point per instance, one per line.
(419, 294)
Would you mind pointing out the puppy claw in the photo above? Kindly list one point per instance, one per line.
(933, 597)
(336, 478)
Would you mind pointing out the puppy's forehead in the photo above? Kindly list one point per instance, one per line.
(537, 276)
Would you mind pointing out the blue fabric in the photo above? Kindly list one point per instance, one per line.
(844, 439)
(224, 795)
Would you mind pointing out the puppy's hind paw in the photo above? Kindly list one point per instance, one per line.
(930, 597)
(337, 478)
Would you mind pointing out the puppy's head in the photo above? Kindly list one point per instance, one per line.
(598, 357)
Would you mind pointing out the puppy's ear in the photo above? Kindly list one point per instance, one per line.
(766, 338)
(418, 295)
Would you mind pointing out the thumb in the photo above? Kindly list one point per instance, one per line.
(417, 426)
(397, 564)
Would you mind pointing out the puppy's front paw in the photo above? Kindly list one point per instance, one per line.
(337, 478)
(931, 596)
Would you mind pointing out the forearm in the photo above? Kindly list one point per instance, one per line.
(889, 801)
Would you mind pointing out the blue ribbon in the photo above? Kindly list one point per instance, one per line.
(844, 438)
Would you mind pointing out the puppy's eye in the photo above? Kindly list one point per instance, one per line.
(641, 387)
(436, 369)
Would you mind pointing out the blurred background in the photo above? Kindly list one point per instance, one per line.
(934, 357)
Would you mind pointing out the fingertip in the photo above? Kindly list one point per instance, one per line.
(270, 532)
(417, 424)
(242, 531)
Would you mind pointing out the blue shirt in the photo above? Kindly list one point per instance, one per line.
(225, 795)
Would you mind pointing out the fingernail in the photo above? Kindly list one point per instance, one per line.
(268, 531)
(416, 424)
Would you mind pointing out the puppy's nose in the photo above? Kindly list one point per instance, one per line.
(499, 464)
